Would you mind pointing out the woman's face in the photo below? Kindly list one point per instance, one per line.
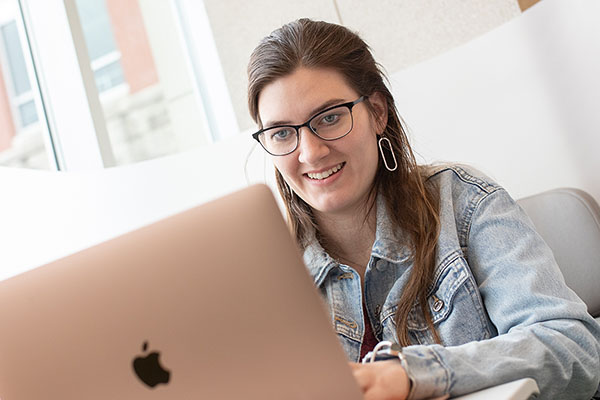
(333, 177)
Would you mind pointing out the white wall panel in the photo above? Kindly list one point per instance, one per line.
(520, 102)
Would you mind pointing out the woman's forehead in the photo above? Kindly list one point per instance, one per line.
(300, 94)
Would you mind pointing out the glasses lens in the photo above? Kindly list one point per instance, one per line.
(279, 140)
(332, 124)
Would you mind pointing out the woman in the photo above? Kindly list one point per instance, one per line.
(439, 260)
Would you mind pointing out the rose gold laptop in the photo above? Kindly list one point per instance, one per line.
(212, 303)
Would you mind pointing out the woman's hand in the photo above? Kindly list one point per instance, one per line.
(383, 380)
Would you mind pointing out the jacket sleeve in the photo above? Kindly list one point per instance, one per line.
(544, 329)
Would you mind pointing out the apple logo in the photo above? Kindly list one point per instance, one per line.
(149, 370)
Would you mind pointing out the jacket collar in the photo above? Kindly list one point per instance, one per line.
(387, 246)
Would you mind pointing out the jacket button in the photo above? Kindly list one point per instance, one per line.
(438, 305)
(346, 275)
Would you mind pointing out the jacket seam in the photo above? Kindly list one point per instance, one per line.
(465, 229)
(466, 177)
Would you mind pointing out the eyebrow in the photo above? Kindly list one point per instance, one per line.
(315, 111)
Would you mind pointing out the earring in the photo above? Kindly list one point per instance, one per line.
(388, 144)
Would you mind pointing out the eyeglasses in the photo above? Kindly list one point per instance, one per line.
(330, 124)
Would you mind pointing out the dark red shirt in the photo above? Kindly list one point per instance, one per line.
(369, 339)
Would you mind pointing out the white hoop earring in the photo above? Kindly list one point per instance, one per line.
(389, 146)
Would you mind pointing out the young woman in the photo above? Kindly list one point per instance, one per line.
(439, 260)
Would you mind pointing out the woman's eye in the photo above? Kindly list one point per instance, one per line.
(329, 119)
(281, 134)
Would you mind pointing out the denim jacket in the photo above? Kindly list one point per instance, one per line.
(498, 300)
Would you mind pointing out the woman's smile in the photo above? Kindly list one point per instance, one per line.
(325, 175)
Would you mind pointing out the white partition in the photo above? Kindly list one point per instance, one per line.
(47, 215)
(520, 102)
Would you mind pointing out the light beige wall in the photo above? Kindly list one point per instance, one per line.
(401, 32)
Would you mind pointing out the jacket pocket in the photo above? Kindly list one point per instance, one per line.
(455, 306)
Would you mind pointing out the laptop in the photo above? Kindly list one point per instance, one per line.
(211, 303)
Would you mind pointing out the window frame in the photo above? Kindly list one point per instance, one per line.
(74, 114)
(70, 99)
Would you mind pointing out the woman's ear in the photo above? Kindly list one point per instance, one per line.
(379, 103)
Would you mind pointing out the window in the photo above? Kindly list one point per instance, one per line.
(104, 55)
(146, 89)
(22, 93)
(22, 133)
(122, 80)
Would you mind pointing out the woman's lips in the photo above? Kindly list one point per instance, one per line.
(325, 174)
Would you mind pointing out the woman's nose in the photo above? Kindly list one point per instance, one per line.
(311, 148)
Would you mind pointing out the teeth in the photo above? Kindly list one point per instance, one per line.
(325, 174)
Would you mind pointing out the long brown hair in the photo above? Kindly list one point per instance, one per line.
(411, 200)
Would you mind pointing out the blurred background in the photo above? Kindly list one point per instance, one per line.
(115, 113)
(158, 77)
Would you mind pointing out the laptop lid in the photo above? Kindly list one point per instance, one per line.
(212, 303)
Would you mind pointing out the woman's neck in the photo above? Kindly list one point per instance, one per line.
(349, 238)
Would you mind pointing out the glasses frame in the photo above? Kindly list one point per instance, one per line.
(297, 128)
